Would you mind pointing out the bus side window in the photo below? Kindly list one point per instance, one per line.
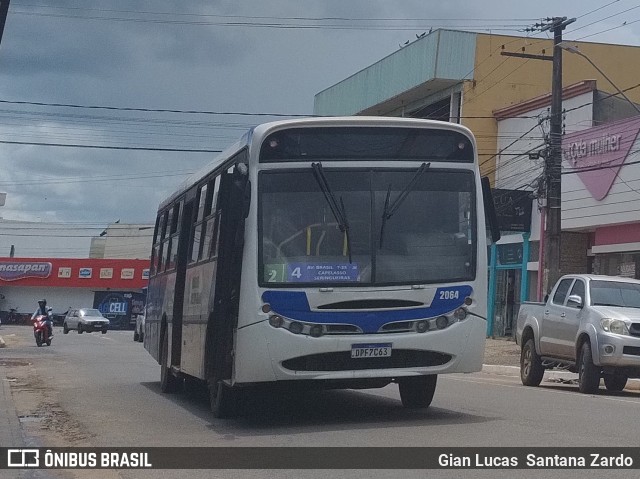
(174, 231)
(210, 223)
(154, 248)
(161, 237)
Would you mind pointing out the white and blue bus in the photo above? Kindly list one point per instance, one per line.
(327, 252)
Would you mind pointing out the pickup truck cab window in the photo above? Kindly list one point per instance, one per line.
(562, 290)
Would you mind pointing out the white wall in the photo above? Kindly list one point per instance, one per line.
(25, 298)
(128, 241)
(621, 205)
(513, 172)
(45, 240)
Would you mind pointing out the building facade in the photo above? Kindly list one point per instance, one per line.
(462, 77)
(116, 287)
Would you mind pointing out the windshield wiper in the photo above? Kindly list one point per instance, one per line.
(389, 210)
(338, 210)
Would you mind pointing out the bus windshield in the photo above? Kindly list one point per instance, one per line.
(428, 238)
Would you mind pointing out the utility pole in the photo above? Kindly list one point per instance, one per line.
(553, 159)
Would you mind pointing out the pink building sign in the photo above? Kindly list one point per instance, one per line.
(598, 153)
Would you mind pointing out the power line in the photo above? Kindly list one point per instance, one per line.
(154, 110)
(210, 15)
(105, 147)
(275, 24)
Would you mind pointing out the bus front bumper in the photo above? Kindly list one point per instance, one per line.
(266, 354)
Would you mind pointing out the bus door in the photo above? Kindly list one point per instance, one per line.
(180, 245)
(234, 202)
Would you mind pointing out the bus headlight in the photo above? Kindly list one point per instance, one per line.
(422, 326)
(295, 327)
(460, 314)
(442, 322)
(316, 331)
(276, 321)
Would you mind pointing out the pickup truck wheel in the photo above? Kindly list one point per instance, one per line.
(615, 382)
(531, 370)
(417, 392)
(588, 373)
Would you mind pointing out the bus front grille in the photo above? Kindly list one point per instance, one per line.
(342, 361)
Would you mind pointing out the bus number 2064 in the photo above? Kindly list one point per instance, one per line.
(449, 294)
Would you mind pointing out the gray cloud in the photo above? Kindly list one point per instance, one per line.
(183, 66)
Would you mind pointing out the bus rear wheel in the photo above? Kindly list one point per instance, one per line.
(417, 392)
(223, 399)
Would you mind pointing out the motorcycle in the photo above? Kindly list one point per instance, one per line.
(41, 330)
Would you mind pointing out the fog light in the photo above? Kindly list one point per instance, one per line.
(266, 308)
(315, 331)
(295, 327)
(422, 326)
(442, 322)
(468, 300)
(608, 349)
(460, 314)
(276, 321)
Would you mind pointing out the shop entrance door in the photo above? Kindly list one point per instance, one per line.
(507, 301)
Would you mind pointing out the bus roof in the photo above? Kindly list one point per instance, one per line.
(264, 129)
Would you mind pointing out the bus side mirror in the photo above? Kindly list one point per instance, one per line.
(241, 181)
(490, 210)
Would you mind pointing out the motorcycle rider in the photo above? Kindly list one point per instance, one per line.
(44, 311)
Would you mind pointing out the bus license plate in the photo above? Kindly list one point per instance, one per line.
(374, 350)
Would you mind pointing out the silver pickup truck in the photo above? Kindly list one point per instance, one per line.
(590, 325)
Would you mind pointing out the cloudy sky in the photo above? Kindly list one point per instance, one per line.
(211, 58)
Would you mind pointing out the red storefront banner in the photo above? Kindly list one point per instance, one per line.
(75, 273)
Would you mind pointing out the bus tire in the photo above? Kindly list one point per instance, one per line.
(417, 392)
(168, 382)
(224, 400)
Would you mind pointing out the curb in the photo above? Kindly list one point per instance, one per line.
(10, 429)
(549, 376)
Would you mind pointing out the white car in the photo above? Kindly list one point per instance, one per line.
(138, 332)
(85, 319)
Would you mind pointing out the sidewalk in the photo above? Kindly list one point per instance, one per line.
(502, 356)
(10, 430)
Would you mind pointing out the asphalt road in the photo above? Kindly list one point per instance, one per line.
(103, 390)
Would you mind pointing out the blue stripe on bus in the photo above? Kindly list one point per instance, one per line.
(294, 305)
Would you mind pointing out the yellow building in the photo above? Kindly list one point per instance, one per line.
(462, 77)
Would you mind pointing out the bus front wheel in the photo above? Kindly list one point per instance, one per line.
(417, 392)
(224, 400)
(168, 382)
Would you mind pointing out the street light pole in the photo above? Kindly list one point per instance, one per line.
(574, 49)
